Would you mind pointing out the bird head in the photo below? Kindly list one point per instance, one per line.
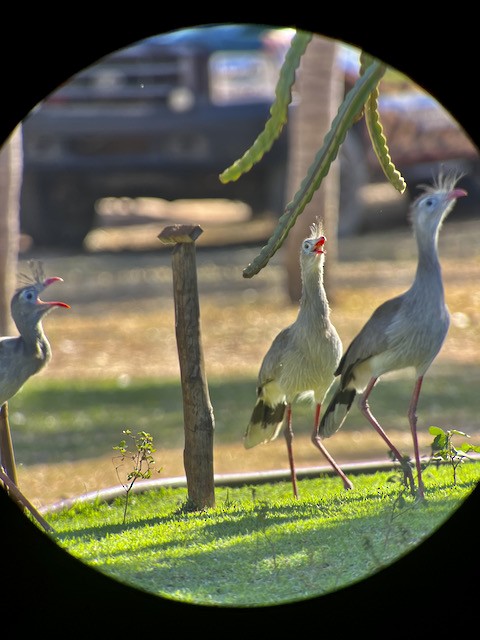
(430, 208)
(314, 246)
(26, 302)
(315, 243)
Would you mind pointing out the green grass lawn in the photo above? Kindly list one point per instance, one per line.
(259, 546)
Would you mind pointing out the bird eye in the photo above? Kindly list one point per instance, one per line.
(28, 294)
(306, 245)
(429, 202)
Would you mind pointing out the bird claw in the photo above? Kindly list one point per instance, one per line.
(408, 480)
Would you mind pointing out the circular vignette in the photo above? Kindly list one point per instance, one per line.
(36, 573)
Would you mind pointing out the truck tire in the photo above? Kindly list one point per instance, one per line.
(56, 214)
(269, 193)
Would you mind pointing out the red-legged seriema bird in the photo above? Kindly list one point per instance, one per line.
(23, 356)
(407, 331)
(300, 362)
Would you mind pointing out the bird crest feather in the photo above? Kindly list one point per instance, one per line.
(37, 275)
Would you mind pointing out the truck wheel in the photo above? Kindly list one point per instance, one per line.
(58, 214)
(270, 193)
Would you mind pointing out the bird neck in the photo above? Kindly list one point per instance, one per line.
(314, 298)
(34, 339)
(429, 272)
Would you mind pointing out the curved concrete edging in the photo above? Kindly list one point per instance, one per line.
(228, 480)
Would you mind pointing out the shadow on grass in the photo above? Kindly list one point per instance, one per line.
(52, 421)
(262, 554)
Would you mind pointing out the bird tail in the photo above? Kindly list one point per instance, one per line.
(265, 424)
(336, 412)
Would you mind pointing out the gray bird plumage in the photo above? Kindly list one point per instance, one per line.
(300, 361)
(406, 331)
(26, 354)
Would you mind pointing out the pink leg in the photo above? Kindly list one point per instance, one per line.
(365, 409)
(318, 443)
(412, 418)
(288, 433)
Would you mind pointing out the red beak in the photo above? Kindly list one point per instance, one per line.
(53, 303)
(319, 245)
(456, 193)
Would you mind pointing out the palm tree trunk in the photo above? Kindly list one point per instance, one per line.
(319, 86)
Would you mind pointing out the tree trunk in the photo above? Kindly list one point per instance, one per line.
(319, 86)
(11, 166)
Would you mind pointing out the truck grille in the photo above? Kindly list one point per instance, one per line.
(140, 76)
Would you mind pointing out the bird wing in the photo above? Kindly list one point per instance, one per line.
(372, 339)
(272, 361)
(268, 413)
(12, 374)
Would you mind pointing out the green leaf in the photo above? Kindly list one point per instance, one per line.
(439, 444)
(278, 111)
(351, 106)
(466, 447)
(436, 431)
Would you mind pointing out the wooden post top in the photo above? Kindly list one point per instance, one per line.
(177, 233)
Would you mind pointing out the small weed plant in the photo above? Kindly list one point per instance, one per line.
(443, 448)
(141, 458)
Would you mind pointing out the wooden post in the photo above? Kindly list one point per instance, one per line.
(22, 501)
(7, 456)
(197, 410)
(8, 470)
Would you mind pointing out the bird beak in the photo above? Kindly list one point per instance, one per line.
(53, 303)
(456, 193)
(48, 281)
(318, 247)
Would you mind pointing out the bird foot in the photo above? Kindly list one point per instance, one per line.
(408, 480)
(419, 494)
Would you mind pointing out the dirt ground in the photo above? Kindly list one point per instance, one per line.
(121, 321)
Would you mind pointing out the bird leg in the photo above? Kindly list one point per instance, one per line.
(318, 443)
(365, 409)
(412, 418)
(7, 457)
(288, 433)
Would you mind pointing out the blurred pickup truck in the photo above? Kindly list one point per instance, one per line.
(161, 118)
(166, 115)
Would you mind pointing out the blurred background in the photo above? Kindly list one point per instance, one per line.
(164, 117)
